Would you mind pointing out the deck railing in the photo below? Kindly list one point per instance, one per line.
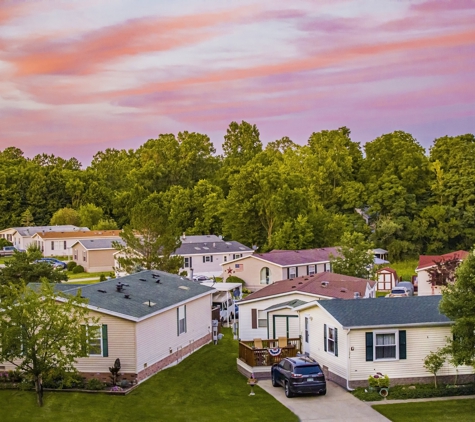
(254, 356)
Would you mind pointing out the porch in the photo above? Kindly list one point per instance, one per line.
(257, 356)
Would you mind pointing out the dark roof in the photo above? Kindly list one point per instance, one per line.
(220, 246)
(142, 288)
(90, 244)
(290, 304)
(338, 286)
(31, 230)
(286, 258)
(426, 261)
(383, 311)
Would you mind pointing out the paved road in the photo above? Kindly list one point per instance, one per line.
(336, 405)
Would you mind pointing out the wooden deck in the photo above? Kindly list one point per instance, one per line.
(253, 356)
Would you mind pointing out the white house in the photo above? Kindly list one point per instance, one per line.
(149, 320)
(353, 339)
(270, 313)
(205, 254)
(427, 262)
(21, 237)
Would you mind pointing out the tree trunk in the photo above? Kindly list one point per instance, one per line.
(435, 380)
(39, 390)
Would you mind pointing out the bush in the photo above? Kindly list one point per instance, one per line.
(378, 380)
(71, 265)
(102, 277)
(15, 376)
(94, 384)
(78, 269)
(234, 279)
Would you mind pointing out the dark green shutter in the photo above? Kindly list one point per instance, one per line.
(325, 337)
(105, 342)
(204, 259)
(369, 346)
(83, 341)
(178, 321)
(402, 344)
(184, 309)
(336, 341)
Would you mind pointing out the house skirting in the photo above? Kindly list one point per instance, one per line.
(442, 379)
(173, 358)
(260, 372)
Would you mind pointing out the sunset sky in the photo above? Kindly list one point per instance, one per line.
(77, 77)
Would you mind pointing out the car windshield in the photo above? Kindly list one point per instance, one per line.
(398, 292)
(308, 370)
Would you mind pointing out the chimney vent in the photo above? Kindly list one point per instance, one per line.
(325, 283)
(127, 296)
(357, 295)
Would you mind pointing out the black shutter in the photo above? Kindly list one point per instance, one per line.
(105, 342)
(184, 310)
(325, 337)
(204, 259)
(288, 273)
(336, 341)
(211, 258)
(296, 271)
(369, 346)
(254, 318)
(402, 344)
(308, 269)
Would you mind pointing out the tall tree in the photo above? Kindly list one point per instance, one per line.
(148, 241)
(458, 303)
(90, 215)
(65, 216)
(355, 256)
(40, 331)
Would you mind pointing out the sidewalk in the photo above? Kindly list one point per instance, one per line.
(386, 401)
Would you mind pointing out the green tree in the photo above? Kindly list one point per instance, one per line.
(434, 362)
(294, 234)
(27, 219)
(105, 224)
(458, 304)
(38, 334)
(22, 268)
(89, 215)
(148, 242)
(355, 256)
(65, 216)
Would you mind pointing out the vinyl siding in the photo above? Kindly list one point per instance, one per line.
(423, 287)
(158, 334)
(246, 332)
(214, 268)
(420, 342)
(100, 260)
(281, 323)
(336, 364)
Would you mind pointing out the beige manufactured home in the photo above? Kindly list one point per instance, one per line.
(95, 255)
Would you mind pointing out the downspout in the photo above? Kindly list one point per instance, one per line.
(348, 361)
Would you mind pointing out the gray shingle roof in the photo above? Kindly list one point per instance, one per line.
(204, 248)
(30, 231)
(383, 311)
(142, 288)
(91, 244)
(290, 304)
(287, 258)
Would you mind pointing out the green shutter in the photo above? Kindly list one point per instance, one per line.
(369, 346)
(336, 341)
(402, 344)
(83, 341)
(177, 321)
(184, 309)
(325, 337)
(105, 342)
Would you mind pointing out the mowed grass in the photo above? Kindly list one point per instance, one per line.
(444, 410)
(206, 386)
(72, 276)
(405, 269)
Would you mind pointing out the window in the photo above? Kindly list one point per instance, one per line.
(292, 272)
(262, 319)
(98, 340)
(52, 245)
(265, 275)
(181, 319)
(75, 254)
(84, 256)
(327, 267)
(187, 262)
(237, 255)
(311, 269)
(385, 346)
(225, 258)
(330, 339)
(208, 258)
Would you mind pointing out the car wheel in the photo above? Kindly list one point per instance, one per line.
(322, 393)
(274, 381)
(288, 393)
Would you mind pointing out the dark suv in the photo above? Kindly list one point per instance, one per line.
(299, 375)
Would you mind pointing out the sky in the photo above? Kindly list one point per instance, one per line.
(78, 77)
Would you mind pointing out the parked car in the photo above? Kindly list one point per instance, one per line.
(201, 278)
(8, 250)
(402, 289)
(56, 263)
(299, 375)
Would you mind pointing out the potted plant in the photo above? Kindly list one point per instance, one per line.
(379, 382)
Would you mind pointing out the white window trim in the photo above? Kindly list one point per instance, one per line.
(100, 340)
(310, 271)
(183, 308)
(292, 274)
(328, 338)
(396, 343)
(262, 322)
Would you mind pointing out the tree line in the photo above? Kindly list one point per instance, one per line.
(281, 195)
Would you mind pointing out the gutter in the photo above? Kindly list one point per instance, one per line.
(348, 361)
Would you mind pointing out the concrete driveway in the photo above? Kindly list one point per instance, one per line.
(336, 405)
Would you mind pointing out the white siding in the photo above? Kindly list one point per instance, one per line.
(420, 342)
(336, 364)
(424, 288)
(158, 335)
(280, 318)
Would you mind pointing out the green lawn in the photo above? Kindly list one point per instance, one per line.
(444, 410)
(204, 387)
(72, 276)
(405, 269)
(84, 282)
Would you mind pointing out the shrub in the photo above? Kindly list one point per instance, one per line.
(78, 269)
(234, 279)
(94, 384)
(15, 376)
(71, 265)
(378, 380)
(102, 277)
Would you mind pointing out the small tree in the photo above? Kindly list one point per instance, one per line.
(434, 362)
(355, 256)
(443, 273)
(27, 219)
(40, 330)
(114, 370)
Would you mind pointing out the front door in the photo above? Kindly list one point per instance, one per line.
(306, 342)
